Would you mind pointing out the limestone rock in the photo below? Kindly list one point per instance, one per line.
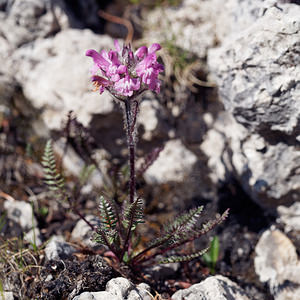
(23, 21)
(119, 289)
(290, 216)
(96, 296)
(175, 162)
(213, 288)
(83, 232)
(257, 74)
(20, 212)
(276, 263)
(268, 172)
(54, 74)
(122, 288)
(57, 249)
(151, 118)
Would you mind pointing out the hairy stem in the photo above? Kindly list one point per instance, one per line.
(130, 131)
(130, 128)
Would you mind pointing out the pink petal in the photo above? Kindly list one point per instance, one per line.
(141, 52)
(154, 47)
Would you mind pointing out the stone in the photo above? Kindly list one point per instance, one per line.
(255, 70)
(34, 237)
(20, 212)
(23, 21)
(73, 164)
(276, 263)
(266, 171)
(96, 296)
(58, 248)
(174, 163)
(151, 118)
(259, 87)
(122, 288)
(290, 216)
(213, 288)
(83, 232)
(142, 291)
(49, 73)
(186, 26)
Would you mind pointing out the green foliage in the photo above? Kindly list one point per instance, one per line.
(52, 177)
(183, 258)
(108, 214)
(211, 257)
(133, 214)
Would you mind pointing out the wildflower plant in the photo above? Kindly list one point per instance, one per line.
(126, 75)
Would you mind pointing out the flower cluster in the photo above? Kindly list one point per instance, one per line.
(124, 73)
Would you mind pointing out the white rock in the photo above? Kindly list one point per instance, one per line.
(57, 248)
(276, 262)
(34, 237)
(26, 20)
(290, 216)
(213, 288)
(122, 288)
(142, 291)
(83, 232)
(96, 296)
(175, 162)
(119, 287)
(259, 87)
(151, 118)
(20, 212)
(55, 77)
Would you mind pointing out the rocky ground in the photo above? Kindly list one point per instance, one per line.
(225, 128)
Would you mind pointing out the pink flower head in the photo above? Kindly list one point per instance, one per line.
(125, 73)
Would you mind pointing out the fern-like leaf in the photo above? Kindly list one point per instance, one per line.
(183, 258)
(181, 224)
(52, 177)
(193, 234)
(108, 214)
(105, 237)
(134, 214)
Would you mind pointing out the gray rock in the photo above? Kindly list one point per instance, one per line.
(267, 171)
(73, 164)
(25, 20)
(290, 217)
(83, 232)
(34, 237)
(175, 162)
(122, 288)
(20, 212)
(141, 292)
(213, 288)
(257, 73)
(151, 117)
(119, 289)
(276, 263)
(48, 72)
(57, 248)
(96, 296)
